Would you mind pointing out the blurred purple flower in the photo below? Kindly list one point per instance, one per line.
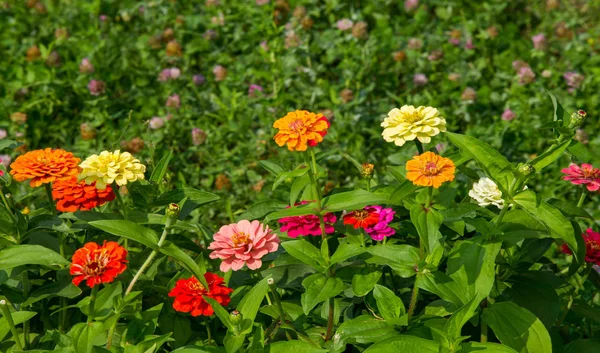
(253, 89)
(103, 18)
(469, 44)
(86, 66)
(454, 41)
(198, 79)
(574, 79)
(344, 24)
(526, 75)
(173, 101)
(96, 87)
(198, 136)
(410, 5)
(508, 115)
(156, 123)
(539, 41)
(169, 74)
(264, 45)
(420, 79)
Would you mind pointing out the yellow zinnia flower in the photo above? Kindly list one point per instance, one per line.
(109, 167)
(408, 123)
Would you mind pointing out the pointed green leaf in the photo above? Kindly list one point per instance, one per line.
(318, 289)
(19, 255)
(129, 230)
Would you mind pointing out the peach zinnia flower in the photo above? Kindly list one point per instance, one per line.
(44, 166)
(189, 294)
(98, 264)
(243, 243)
(586, 175)
(301, 129)
(430, 169)
(72, 195)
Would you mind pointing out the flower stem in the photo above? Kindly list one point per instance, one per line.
(11, 323)
(502, 213)
(484, 332)
(582, 198)
(25, 279)
(5, 201)
(413, 301)
(208, 329)
(48, 188)
(115, 188)
(148, 261)
(91, 308)
(419, 146)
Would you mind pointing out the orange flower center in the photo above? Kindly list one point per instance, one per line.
(361, 214)
(197, 286)
(430, 169)
(297, 126)
(240, 239)
(589, 172)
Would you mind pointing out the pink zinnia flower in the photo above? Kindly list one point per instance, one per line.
(420, 79)
(508, 115)
(198, 79)
(96, 87)
(264, 45)
(169, 74)
(410, 5)
(526, 75)
(454, 41)
(156, 123)
(592, 246)
(173, 101)
(539, 41)
(243, 243)
(253, 89)
(469, 44)
(86, 66)
(3, 134)
(381, 229)
(586, 175)
(296, 226)
(344, 24)
(574, 79)
(198, 136)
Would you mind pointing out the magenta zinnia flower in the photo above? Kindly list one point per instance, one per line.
(586, 175)
(296, 226)
(243, 243)
(96, 87)
(508, 115)
(381, 229)
(592, 246)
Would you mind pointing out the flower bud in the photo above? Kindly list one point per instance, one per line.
(526, 169)
(270, 281)
(236, 317)
(367, 170)
(172, 211)
(87, 131)
(577, 118)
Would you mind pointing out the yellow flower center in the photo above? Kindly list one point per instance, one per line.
(361, 214)
(430, 169)
(594, 245)
(297, 125)
(240, 239)
(196, 286)
(413, 117)
(95, 264)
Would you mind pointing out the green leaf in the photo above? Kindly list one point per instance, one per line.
(18, 317)
(390, 307)
(293, 347)
(251, 302)
(161, 168)
(298, 186)
(19, 255)
(305, 252)
(345, 251)
(548, 157)
(443, 286)
(460, 317)
(533, 293)
(352, 200)
(495, 165)
(569, 209)
(557, 225)
(517, 328)
(401, 192)
(221, 313)
(184, 260)
(398, 172)
(104, 304)
(199, 349)
(476, 347)
(86, 336)
(583, 346)
(581, 153)
(318, 289)
(559, 112)
(404, 344)
(403, 259)
(363, 329)
(428, 225)
(64, 288)
(129, 230)
(362, 284)
(300, 210)
(5, 143)
(283, 176)
(260, 209)
(195, 197)
(271, 167)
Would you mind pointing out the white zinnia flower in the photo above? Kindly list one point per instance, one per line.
(486, 192)
(408, 123)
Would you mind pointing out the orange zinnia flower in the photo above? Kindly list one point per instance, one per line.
(72, 195)
(300, 129)
(98, 264)
(44, 166)
(430, 169)
(189, 294)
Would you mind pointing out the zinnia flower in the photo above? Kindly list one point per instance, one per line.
(198, 136)
(189, 294)
(381, 229)
(508, 115)
(156, 123)
(96, 87)
(86, 66)
(365, 218)
(109, 167)
(420, 80)
(173, 101)
(98, 264)
(301, 129)
(306, 225)
(592, 246)
(253, 89)
(539, 41)
(586, 175)
(72, 195)
(243, 243)
(344, 24)
(5, 160)
(486, 192)
(408, 123)
(430, 169)
(3, 134)
(198, 79)
(44, 166)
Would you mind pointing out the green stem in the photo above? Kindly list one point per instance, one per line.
(62, 315)
(277, 300)
(5, 201)
(111, 331)
(208, 329)
(369, 184)
(429, 197)
(582, 197)
(115, 188)
(413, 301)
(11, 323)
(48, 188)
(484, 332)
(315, 176)
(502, 213)
(419, 146)
(91, 307)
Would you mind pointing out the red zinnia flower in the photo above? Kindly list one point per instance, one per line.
(98, 264)
(189, 294)
(592, 246)
(364, 218)
(72, 195)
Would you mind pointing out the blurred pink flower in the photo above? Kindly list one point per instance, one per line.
(3, 134)
(103, 18)
(454, 41)
(296, 226)
(508, 115)
(198, 136)
(469, 94)
(86, 66)
(220, 73)
(96, 87)
(243, 243)
(262, 2)
(264, 45)
(172, 73)
(586, 175)
(410, 5)
(415, 44)
(519, 64)
(173, 101)
(574, 79)
(344, 24)
(156, 123)
(420, 79)
(539, 41)
(469, 44)
(5, 160)
(253, 89)
(198, 79)
(526, 75)
(435, 55)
